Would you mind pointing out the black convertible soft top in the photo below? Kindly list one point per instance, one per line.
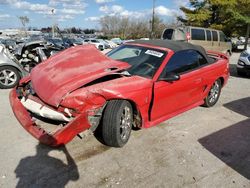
(172, 45)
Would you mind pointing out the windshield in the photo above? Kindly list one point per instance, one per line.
(144, 61)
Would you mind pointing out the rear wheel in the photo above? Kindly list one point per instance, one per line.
(9, 77)
(117, 123)
(213, 95)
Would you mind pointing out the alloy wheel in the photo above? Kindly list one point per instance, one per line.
(125, 123)
(8, 77)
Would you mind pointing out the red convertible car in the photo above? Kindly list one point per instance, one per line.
(138, 84)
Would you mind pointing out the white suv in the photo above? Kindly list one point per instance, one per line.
(98, 44)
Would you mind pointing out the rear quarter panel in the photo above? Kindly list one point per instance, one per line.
(214, 71)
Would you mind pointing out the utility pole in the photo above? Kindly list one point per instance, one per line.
(153, 21)
(53, 24)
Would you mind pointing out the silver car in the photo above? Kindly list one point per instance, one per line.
(10, 71)
(243, 65)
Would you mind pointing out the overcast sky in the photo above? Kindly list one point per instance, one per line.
(81, 13)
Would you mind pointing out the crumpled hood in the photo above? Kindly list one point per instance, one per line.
(69, 70)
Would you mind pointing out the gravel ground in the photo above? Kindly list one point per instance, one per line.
(199, 148)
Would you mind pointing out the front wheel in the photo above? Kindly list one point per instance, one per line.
(117, 123)
(9, 77)
(213, 95)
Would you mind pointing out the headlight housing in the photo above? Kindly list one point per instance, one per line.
(80, 100)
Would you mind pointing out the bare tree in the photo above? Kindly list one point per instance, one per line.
(128, 28)
(24, 20)
(123, 29)
(110, 25)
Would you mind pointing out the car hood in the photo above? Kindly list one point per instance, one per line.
(69, 70)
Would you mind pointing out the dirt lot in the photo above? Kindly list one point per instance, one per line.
(200, 148)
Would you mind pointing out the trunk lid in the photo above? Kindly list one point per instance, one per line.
(69, 70)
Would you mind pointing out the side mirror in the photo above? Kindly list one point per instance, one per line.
(170, 78)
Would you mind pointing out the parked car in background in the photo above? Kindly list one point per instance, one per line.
(10, 70)
(9, 43)
(104, 43)
(29, 54)
(129, 40)
(111, 44)
(238, 43)
(138, 84)
(73, 41)
(243, 65)
(58, 42)
(16, 63)
(210, 39)
(117, 41)
(97, 43)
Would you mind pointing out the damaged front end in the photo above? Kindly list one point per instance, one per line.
(54, 125)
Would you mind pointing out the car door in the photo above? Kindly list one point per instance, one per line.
(170, 97)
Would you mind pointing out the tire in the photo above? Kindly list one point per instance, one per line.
(213, 95)
(117, 123)
(9, 77)
(240, 73)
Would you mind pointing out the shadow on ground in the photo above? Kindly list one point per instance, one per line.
(241, 106)
(43, 170)
(232, 146)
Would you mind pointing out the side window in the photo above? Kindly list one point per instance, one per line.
(222, 37)
(202, 60)
(198, 34)
(215, 35)
(168, 33)
(184, 61)
(208, 35)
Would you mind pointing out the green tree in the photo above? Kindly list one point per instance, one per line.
(198, 14)
(231, 16)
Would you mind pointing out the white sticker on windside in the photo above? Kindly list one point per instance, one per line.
(154, 53)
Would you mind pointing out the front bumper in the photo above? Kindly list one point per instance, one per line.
(61, 136)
